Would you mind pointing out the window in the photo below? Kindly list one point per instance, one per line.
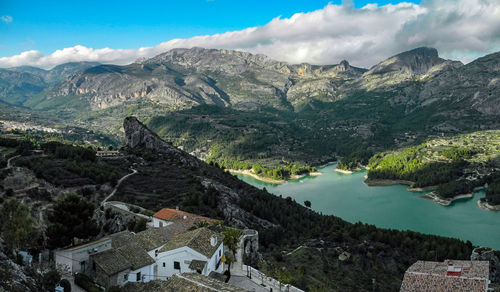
(220, 252)
(138, 278)
(177, 265)
(125, 277)
(93, 266)
(163, 264)
(161, 224)
(156, 253)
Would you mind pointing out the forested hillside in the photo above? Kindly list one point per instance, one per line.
(452, 165)
(174, 178)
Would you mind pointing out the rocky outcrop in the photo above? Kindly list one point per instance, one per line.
(14, 277)
(139, 136)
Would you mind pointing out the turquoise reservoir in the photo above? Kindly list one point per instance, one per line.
(347, 197)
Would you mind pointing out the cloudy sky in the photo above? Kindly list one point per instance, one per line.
(319, 32)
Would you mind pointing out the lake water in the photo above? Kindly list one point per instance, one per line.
(347, 197)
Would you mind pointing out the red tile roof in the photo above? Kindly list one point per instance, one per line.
(447, 276)
(174, 215)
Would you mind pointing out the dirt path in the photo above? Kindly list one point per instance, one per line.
(9, 161)
(118, 185)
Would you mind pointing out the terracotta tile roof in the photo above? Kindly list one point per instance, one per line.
(198, 239)
(182, 283)
(446, 276)
(120, 239)
(111, 261)
(136, 256)
(174, 215)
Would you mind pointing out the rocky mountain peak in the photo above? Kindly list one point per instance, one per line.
(139, 136)
(344, 64)
(415, 62)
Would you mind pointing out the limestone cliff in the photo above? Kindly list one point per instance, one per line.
(139, 136)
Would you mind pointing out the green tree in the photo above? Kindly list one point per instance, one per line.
(71, 218)
(66, 285)
(231, 240)
(140, 225)
(16, 224)
(307, 203)
(50, 279)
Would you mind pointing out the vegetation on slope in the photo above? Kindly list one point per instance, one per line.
(455, 165)
(165, 181)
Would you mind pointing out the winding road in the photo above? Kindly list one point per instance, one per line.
(118, 185)
(9, 160)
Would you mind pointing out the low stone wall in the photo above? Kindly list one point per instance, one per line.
(263, 280)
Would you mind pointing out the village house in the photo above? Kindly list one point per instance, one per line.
(128, 263)
(168, 216)
(197, 251)
(76, 259)
(152, 254)
(447, 276)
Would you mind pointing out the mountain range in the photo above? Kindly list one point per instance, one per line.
(266, 111)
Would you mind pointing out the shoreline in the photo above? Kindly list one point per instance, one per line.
(261, 178)
(271, 180)
(387, 182)
(445, 202)
(487, 207)
(347, 171)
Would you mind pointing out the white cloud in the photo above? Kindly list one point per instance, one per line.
(457, 28)
(6, 18)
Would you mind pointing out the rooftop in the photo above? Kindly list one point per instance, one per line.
(182, 283)
(198, 239)
(111, 261)
(85, 245)
(174, 215)
(155, 237)
(136, 256)
(447, 276)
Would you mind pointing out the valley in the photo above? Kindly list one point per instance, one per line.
(167, 176)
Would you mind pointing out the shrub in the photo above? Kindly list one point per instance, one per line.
(86, 283)
(66, 285)
(113, 289)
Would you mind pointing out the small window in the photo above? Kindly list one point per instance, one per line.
(156, 253)
(177, 265)
(164, 265)
(125, 277)
(93, 266)
(161, 224)
(220, 252)
(138, 278)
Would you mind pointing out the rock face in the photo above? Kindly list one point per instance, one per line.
(487, 254)
(18, 84)
(15, 277)
(139, 136)
(186, 77)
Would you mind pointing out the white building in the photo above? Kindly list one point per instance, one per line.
(76, 259)
(198, 251)
(128, 263)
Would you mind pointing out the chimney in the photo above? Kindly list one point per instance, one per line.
(213, 240)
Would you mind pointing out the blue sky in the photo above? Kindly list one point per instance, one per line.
(50, 25)
(48, 33)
